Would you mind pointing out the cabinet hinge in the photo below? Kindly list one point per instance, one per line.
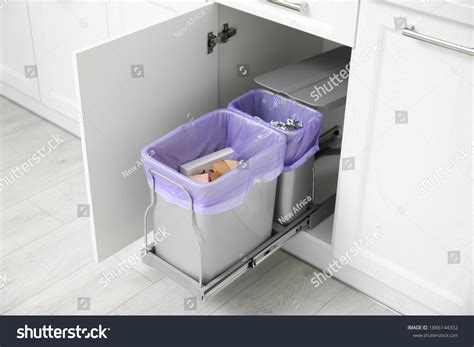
(222, 37)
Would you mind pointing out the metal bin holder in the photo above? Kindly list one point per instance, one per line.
(213, 226)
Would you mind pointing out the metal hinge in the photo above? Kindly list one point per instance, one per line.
(222, 37)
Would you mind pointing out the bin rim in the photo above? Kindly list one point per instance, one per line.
(277, 94)
(148, 158)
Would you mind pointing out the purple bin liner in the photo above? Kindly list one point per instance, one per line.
(261, 148)
(265, 106)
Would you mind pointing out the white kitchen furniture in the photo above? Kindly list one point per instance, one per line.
(15, 71)
(141, 85)
(406, 161)
(81, 24)
(405, 172)
(38, 39)
(408, 126)
(408, 112)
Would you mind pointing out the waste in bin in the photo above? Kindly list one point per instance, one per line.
(233, 214)
(295, 185)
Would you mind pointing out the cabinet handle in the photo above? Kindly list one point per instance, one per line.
(294, 5)
(410, 32)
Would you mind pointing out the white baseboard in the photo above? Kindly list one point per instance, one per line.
(40, 109)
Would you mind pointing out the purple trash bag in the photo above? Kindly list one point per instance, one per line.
(266, 106)
(261, 148)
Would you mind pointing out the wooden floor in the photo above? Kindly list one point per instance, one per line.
(46, 261)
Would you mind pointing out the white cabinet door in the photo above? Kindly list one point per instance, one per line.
(134, 89)
(17, 57)
(59, 29)
(406, 171)
(126, 17)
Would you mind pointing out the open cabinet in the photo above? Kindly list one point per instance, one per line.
(137, 87)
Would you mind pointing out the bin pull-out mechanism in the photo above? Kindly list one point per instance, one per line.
(282, 234)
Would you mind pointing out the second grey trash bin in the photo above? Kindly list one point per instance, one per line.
(233, 214)
(295, 184)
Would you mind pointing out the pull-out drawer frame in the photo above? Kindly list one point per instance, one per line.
(282, 234)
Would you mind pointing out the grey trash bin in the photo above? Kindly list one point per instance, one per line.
(295, 184)
(226, 237)
(211, 226)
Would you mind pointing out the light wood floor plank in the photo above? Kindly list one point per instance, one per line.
(90, 284)
(60, 165)
(61, 200)
(165, 297)
(17, 147)
(14, 118)
(352, 302)
(286, 290)
(23, 223)
(130, 257)
(45, 261)
(7, 106)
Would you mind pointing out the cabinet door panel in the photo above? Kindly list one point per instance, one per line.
(16, 48)
(409, 129)
(134, 89)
